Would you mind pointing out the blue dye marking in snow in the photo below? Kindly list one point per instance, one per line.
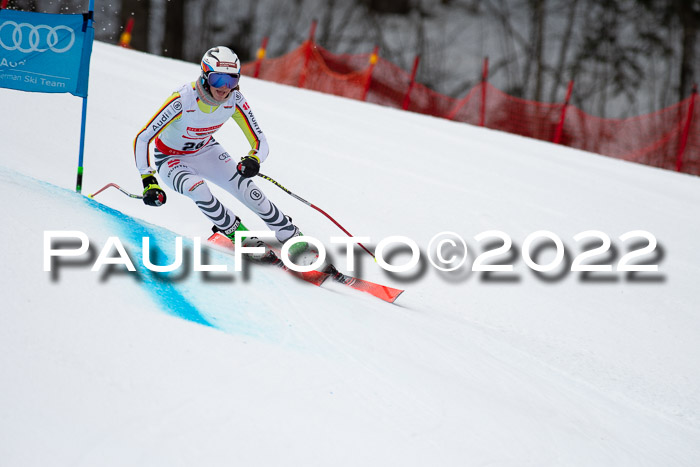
(163, 292)
(161, 289)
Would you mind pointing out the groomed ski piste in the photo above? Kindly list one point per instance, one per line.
(256, 368)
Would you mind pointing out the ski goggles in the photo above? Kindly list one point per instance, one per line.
(222, 80)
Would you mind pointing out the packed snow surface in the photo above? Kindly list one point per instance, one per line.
(256, 368)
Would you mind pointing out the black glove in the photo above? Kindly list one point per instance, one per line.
(153, 195)
(249, 166)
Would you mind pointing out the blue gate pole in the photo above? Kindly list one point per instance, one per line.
(79, 182)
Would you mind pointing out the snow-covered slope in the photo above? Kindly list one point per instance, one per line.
(255, 368)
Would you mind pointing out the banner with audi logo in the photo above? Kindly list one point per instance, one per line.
(42, 52)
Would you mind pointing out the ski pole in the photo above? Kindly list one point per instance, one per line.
(274, 182)
(114, 185)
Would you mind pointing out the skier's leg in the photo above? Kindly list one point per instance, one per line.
(248, 192)
(180, 175)
(253, 197)
(218, 166)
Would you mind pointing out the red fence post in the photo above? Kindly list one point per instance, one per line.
(307, 54)
(484, 80)
(686, 129)
(560, 125)
(407, 97)
(125, 38)
(260, 56)
(372, 61)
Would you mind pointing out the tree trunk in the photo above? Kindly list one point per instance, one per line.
(538, 46)
(174, 29)
(563, 51)
(690, 21)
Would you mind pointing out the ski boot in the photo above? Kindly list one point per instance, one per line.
(301, 253)
(268, 256)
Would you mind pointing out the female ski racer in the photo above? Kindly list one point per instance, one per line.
(186, 153)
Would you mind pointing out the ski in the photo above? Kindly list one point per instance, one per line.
(388, 294)
(382, 292)
(313, 277)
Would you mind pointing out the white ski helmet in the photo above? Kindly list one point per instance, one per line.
(220, 68)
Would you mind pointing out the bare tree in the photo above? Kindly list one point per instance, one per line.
(687, 13)
(564, 47)
(174, 29)
(615, 50)
(23, 5)
(513, 44)
(535, 48)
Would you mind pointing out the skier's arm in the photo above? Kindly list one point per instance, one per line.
(171, 110)
(245, 120)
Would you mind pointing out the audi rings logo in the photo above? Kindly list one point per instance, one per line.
(26, 38)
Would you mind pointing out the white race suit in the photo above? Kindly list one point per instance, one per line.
(186, 154)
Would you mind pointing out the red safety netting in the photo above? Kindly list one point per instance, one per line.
(668, 138)
(691, 154)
